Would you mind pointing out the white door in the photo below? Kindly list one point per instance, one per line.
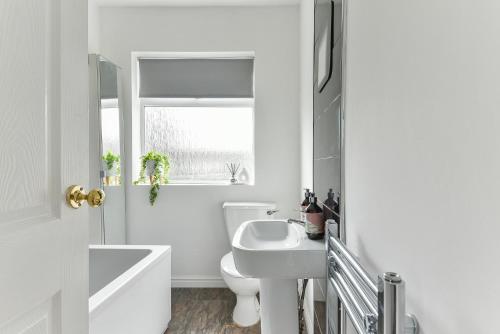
(43, 150)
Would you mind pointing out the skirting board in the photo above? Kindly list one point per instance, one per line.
(195, 281)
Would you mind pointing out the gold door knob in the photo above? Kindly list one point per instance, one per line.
(75, 195)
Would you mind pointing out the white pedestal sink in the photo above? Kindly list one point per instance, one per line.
(278, 253)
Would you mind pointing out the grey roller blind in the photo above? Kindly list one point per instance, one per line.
(198, 78)
(108, 80)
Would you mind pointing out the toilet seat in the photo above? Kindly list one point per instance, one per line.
(228, 266)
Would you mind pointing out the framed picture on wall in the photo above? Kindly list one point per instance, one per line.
(324, 46)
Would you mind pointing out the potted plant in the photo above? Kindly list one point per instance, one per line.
(111, 166)
(154, 165)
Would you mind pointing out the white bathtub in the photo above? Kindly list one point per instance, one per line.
(129, 289)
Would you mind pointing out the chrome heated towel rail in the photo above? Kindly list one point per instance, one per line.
(373, 307)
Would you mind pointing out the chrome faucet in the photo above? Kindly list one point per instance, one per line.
(296, 221)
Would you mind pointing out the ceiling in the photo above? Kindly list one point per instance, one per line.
(151, 3)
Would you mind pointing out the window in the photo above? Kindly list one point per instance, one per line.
(200, 114)
(110, 126)
(110, 141)
(200, 139)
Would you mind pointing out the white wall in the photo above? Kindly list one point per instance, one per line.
(93, 26)
(306, 92)
(423, 154)
(114, 215)
(190, 217)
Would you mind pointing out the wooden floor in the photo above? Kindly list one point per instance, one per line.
(320, 318)
(209, 311)
(205, 311)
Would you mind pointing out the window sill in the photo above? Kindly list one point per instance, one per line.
(222, 184)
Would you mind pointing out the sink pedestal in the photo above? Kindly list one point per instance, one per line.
(279, 307)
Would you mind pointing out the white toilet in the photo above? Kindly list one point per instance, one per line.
(246, 311)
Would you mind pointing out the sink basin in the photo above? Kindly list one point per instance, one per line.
(261, 234)
(277, 249)
(278, 253)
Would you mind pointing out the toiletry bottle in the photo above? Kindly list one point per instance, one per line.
(337, 210)
(305, 203)
(315, 222)
(244, 176)
(329, 206)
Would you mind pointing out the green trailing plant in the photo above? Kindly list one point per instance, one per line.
(110, 160)
(159, 174)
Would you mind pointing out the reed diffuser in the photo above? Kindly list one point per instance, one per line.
(233, 169)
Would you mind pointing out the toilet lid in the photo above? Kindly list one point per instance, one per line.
(227, 264)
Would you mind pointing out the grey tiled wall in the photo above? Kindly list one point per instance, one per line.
(327, 103)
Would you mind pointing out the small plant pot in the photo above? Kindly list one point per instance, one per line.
(111, 174)
(113, 171)
(150, 170)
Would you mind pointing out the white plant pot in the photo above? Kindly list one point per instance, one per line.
(111, 172)
(150, 167)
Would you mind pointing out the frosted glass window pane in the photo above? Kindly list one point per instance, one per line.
(199, 141)
(110, 122)
(110, 127)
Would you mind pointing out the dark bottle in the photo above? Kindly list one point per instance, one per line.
(315, 222)
(336, 210)
(305, 203)
(329, 206)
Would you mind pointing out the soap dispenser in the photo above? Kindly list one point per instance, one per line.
(305, 203)
(336, 210)
(315, 222)
(329, 206)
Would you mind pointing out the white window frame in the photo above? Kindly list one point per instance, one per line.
(109, 103)
(139, 104)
